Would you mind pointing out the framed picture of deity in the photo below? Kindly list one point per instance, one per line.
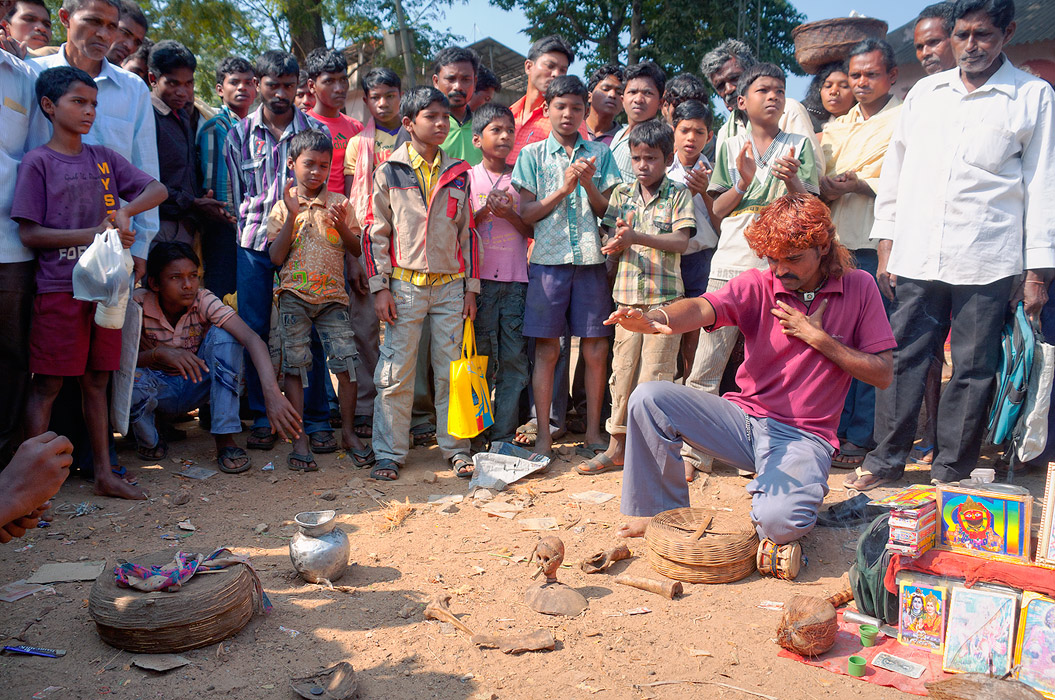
(1035, 650)
(993, 523)
(1046, 541)
(980, 630)
(922, 603)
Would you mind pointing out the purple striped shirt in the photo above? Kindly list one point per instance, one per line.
(256, 164)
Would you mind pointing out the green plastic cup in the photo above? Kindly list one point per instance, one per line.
(856, 665)
(868, 635)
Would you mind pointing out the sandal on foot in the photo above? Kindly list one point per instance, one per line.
(150, 454)
(322, 442)
(261, 439)
(922, 454)
(385, 465)
(232, 455)
(362, 458)
(423, 435)
(592, 450)
(525, 435)
(121, 472)
(363, 426)
(598, 464)
(863, 481)
(849, 458)
(462, 466)
(307, 462)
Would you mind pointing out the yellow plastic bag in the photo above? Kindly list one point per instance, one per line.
(469, 407)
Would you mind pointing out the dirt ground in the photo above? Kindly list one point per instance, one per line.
(714, 634)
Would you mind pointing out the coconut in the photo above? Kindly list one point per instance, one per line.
(808, 626)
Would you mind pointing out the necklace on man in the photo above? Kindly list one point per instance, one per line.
(808, 297)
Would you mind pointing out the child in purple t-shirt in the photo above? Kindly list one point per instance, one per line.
(503, 269)
(66, 192)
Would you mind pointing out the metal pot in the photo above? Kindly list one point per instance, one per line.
(319, 550)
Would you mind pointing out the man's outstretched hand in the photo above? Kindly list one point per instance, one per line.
(635, 321)
(33, 476)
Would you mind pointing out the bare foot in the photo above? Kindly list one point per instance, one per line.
(113, 486)
(633, 528)
(350, 441)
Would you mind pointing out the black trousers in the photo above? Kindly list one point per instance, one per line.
(17, 288)
(921, 315)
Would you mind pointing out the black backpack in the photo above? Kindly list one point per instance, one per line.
(869, 570)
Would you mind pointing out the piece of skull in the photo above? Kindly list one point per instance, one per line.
(549, 552)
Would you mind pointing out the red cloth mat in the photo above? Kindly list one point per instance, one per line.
(848, 643)
(973, 570)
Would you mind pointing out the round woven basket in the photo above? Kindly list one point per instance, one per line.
(722, 554)
(209, 608)
(820, 43)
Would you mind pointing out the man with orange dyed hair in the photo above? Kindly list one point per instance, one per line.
(811, 323)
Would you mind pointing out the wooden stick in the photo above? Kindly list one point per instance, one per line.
(437, 610)
(723, 685)
(702, 528)
(667, 589)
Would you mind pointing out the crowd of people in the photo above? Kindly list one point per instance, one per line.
(826, 248)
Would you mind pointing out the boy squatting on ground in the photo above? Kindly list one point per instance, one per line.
(565, 183)
(422, 258)
(503, 271)
(753, 168)
(810, 323)
(191, 351)
(652, 221)
(68, 191)
(308, 233)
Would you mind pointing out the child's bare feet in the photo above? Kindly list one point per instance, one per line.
(109, 484)
(635, 527)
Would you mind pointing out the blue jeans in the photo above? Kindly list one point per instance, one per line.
(157, 392)
(256, 281)
(790, 465)
(857, 422)
(499, 325)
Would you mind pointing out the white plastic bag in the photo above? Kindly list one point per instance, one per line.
(101, 273)
(1031, 432)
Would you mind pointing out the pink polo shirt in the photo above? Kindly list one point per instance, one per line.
(782, 377)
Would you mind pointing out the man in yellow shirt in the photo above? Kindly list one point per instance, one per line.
(854, 147)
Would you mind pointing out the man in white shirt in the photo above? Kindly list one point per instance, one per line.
(124, 119)
(17, 263)
(966, 204)
(723, 65)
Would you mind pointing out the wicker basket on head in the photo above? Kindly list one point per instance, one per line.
(820, 43)
(697, 545)
(208, 608)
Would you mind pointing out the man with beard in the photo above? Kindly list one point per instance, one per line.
(454, 74)
(722, 66)
(965, 206)
(131, 31)
(256, 153)
(931, 38)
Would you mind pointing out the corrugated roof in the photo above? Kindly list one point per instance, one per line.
(506, 63)
(1034, 20)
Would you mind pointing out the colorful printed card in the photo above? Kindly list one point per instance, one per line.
(921, 617)
(980, 631)
(984, 523)
(915, 499)
(1035, 650)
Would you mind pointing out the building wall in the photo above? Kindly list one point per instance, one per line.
(909, 73)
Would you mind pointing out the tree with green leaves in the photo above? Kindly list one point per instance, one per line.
(673, 33)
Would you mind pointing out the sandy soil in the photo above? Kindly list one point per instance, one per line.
(712, 634)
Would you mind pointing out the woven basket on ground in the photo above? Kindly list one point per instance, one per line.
(723, 552)
(820, 43)
(209, 608)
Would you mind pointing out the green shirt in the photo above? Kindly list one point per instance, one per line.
(459, 143)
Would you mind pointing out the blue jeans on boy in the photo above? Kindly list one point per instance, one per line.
(256, 282)
(499, 335)
(155, 391)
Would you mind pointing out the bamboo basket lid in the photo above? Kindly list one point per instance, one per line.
(698, 545)
(208, 608)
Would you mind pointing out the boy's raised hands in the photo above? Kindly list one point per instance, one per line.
(787, 166)
(698, 180)
(745, 164)
(291, 200)
(624, 235)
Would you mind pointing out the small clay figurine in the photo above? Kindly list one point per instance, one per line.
(552, 597)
